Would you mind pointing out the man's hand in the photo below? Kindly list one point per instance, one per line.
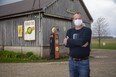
(65, 40)
(85, 45)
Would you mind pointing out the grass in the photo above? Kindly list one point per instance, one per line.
(13, 57)
(110, 44)
(14, 60)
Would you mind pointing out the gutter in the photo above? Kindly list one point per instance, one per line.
(86, 10)
(21, 14)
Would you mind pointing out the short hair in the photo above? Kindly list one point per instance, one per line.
(77, 13)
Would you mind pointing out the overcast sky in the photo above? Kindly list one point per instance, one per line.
(105, 9)
(3, 2)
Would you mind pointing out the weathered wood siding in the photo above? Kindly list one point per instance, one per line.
(0, 34)
(61, 6)
(48, 23)
(9, 31)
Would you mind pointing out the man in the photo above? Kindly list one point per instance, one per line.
(52, 49)
(78, 40)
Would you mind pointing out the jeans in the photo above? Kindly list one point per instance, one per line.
(79, 68)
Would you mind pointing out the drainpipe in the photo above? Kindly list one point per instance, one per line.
(3, 38)
(40, 36)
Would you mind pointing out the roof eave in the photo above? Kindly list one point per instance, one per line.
(86, 10)
(21, 14)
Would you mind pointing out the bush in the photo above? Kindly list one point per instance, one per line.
(13, 55)
(10, 54)
(20, 55)
(33, 57)
(29, 54)
(7, 54)
(64, 56)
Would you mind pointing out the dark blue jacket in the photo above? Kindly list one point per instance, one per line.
(77, 38)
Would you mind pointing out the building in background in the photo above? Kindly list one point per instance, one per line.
(25, 26)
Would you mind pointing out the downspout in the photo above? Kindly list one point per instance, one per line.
(40, 34)
(2, 38)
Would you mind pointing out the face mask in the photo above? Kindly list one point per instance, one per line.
(78, 22)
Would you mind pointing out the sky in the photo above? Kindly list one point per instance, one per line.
(3, 2)
(105, 9)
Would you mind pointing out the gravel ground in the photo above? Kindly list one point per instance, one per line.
(103, 64)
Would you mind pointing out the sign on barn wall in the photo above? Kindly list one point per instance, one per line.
(20, 30)
(29, 30)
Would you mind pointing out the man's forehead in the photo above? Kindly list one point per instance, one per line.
(77, 15)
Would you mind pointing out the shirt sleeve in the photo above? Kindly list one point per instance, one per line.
(81, 41)
(68, 34)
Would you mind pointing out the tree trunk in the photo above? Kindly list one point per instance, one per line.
(99, 42)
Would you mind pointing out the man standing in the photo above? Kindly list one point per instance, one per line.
(78, 40)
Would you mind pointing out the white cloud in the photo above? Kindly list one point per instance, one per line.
(103, 8)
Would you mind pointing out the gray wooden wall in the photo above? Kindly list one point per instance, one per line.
(48, 23)
(9, 31)
(61, 6)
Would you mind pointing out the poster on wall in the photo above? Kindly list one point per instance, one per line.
(20, 30)
(29, 30)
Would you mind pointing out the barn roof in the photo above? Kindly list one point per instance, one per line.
(26, 6)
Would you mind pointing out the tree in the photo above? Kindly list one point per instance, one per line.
(100, 29)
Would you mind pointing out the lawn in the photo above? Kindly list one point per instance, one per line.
(109, 44)
(13, 57)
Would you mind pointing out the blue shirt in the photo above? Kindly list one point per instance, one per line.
(77, 38)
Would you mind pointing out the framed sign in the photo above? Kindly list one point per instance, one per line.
(29, 30)
(20, 30)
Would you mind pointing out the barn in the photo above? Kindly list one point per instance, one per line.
(38, 17)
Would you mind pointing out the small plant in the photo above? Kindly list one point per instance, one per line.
(65, 56)
(29, 54)
(20, 55)
(33, 57)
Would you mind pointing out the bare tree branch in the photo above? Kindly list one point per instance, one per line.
(100, 29)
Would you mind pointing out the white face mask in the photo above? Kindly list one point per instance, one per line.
(78, 22)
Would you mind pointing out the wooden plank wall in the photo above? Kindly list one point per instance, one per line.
(1, 34)
(61, 6)
(8, 29)
(10, 32)
(48, 23)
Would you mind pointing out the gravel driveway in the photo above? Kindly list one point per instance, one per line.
(103, 64)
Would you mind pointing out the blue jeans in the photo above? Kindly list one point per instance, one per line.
(79, 68)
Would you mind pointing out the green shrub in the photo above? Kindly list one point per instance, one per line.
(64, 56)
(1, 54)
(10, 54)
(29, 54)
(7, 54)
(33, 57)
(20, 55)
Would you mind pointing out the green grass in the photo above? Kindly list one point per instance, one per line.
(13, 57)
(110, 44)
(14, 60)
